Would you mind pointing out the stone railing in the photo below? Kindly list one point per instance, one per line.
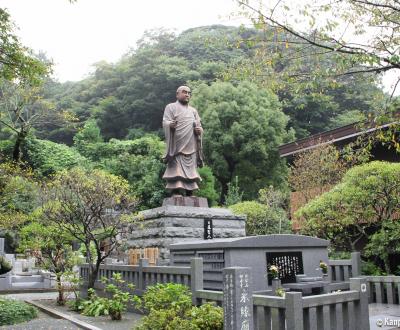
(144, 275)
(338, 310)
(384, 289)
(343, 270)
(244, 310)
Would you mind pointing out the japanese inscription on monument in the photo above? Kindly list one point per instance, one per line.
(237, 296)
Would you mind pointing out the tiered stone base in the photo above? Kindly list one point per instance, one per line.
(162, 226)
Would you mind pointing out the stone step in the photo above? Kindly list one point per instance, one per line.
(26, 279)
(28, 285)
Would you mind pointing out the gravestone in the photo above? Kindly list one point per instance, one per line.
(168, 224)
(293, 254)
(238, 298)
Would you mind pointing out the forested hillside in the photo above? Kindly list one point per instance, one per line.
(112, 119)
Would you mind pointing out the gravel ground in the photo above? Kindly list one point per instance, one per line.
(47, 322)
(43, 322)
(129, 320)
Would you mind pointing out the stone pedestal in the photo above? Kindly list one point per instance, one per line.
(192, 201)
(162, 226)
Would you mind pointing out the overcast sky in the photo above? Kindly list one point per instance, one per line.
(77, 35)
(80, 34)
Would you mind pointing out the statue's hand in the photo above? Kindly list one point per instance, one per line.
(198, 130)
(173, 124)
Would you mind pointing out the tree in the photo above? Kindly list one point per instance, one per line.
(316, 170)
(92, 207)
(356, 208)
(207, 186)
(139, 161)
(22, 109)
(90, 133)
(262, 219)
(362, 35)
(47, 157)
(384, 243)
(244, 126)
(52, 247)
(17, 61)
(19, 195)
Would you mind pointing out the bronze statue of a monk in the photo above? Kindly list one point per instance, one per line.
(183, 131)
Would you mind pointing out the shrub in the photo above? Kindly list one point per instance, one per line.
(262, 219)
(14, 311)
(114, 306)
(5, 266)
(170, 308)
(94, 306)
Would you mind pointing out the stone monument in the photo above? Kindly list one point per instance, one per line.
(182, 217)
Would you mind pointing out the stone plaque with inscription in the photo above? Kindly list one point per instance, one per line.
(208, 228)
(237, 288)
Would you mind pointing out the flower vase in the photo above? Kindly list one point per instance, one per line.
(276, 283)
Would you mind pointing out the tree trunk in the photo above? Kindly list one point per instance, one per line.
(224, 191)
(17, 146)
(93, 271)
(60, 298)
(386, 263)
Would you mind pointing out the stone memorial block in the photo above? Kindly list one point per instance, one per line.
(293, 254)
(238, 300)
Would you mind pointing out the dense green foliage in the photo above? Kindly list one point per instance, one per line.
(17, 61)
(14, 311)
(244, 126)
(170, 307)
(363, 206)
(207, 186)
(262, 219)
(19, 195)
(5, 265)
(55, 246)
(114, 306)
(139, 161)
(92, 207)
(132, 93)
(48, 157)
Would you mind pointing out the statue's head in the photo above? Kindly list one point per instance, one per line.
(183, 94)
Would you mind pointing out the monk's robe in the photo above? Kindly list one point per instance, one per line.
(182, 151)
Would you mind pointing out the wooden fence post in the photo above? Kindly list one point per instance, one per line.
(238, 298)
(294, 310)
(142, 263)
(361, 312)
(355, 264)
(196, 277)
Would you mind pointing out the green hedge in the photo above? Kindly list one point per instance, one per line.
(14, 311)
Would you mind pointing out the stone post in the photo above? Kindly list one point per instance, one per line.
(238, 299)
(294, 310)
(196, 277)
(2, 246)
(361, 312)
(355, 264)
(142, 263)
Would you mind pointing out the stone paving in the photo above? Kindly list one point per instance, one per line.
(47, 322)
(43, 322)
(384, 316)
